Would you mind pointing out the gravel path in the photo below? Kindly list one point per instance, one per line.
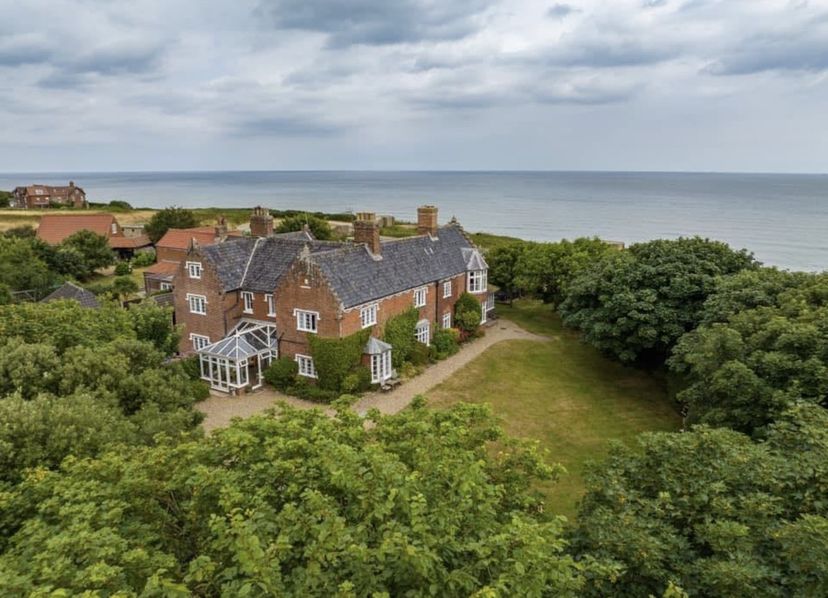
(220, 409)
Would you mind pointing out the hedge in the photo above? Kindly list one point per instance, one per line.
(335, 358)
(400, 333)
(467, 313)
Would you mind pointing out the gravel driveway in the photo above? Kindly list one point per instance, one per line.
(220, 408)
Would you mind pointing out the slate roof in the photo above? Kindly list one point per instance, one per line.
(163, 299)
(357, 278)
(354, 274)
(72, 291)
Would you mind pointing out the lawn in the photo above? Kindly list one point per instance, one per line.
(563, 394)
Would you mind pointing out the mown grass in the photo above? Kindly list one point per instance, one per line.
(562, 393)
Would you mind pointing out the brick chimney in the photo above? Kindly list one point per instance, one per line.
(221, 227)
(427, 220)
(368, 232)
(261, 222)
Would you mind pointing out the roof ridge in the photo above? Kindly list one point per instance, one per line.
(249, 259)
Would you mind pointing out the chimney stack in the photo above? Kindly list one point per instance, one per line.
(221, 227)
(366, 230)
(261, 222)
(427, 220)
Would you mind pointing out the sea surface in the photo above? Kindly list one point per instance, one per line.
(781, 218)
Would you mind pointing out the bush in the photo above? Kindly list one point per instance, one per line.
(312, 392)
(143, 259)
(190, 366)
(467, 313)
(123, 269)
(420, 354)
(319, 228)
(357, 381)
(334, 359)
(281, 373)
(446, 342)
(120, 205)
(400, 333)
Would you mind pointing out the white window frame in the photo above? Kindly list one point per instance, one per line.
(368, 315)
(199, 341)
(381, 367)
(420, 297)
(247, 300)
(423, 332)
(165, 286)
(447, 320)
(306, 366)
(447, 289)
(192, 297)
(271, 305)
(194, 269)
(477, 281)
(306, 321)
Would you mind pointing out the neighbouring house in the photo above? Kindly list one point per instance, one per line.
(56, 228)
(43, 196)
(69, 290)
(172, 248)
(244, 302)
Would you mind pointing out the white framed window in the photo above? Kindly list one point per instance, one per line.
(199, 341)
(271, 305)
(306, 367)
(194, 269)
(447, 289)
(114, 228)
(306, 321)
(166, 286)
(447, 320)
(420, 297)
(381, 367)
(477, 281)
(198, 304)
(247, 299)
(368, 315)
(423, 332)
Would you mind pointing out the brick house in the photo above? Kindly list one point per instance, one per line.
(42, 196)
(56, 228)
(172, 249)
(246, 301)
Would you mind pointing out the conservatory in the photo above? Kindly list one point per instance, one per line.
(238, 361)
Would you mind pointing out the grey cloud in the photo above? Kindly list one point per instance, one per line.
(777, 52)
(19, 51)
(285, 126)
(371, 22)
(117, 59)
(608, 53)
(560, 10)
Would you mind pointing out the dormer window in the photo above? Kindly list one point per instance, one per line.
(477, 282)
(194, 269)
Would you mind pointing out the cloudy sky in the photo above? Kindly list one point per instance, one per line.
(725, 85)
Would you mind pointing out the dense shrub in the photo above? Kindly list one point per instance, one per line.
(335, 358)
(168, 218)
(446, 342)
(120, 206)
(281, 373)
(467, 313)
(123, 269)
(308, 391)
(319, 228)
(143, 259)
(357, 381)
(420, 354)
(400, 333)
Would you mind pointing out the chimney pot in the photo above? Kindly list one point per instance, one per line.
(427, 220)
(261, 222)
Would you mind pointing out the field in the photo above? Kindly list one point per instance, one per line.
(563, 394)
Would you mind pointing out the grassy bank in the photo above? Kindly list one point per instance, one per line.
(563, 394)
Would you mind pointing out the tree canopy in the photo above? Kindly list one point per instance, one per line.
(318, 227)
(93, 248)
(173, 217)
(635, 304)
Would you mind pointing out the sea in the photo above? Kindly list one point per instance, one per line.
(781, 218)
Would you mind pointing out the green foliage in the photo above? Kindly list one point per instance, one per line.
(143, 259)
(357, 381)
(400, 334)
(173, 217)
(467, 313)
(771, 352)
(297, 505)
(123, 269)
(281, 373)
(635, 304)
(318, 227)
(446, 342)
(93, 247)
(503, 266)
(712, 511)
(153, 323)
(120, 206)
(335, 358)
(21, 269)
(124, 286)
(6, 198)
(23, 231)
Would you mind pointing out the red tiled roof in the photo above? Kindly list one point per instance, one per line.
(179, 238)
(121, 242)
(54, 228)
(162, 268)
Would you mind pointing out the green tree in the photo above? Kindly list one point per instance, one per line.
(712, 511)
(635, 304)
(93, 247)
(168, 218)
(467, 313)
(24, 231)
(22, 270)
(317, 226)
(153, 323)
(503, 267)
(295, 505)
(5, 199)
(124, 286)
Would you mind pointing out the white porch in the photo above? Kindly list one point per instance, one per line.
(238, 361)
